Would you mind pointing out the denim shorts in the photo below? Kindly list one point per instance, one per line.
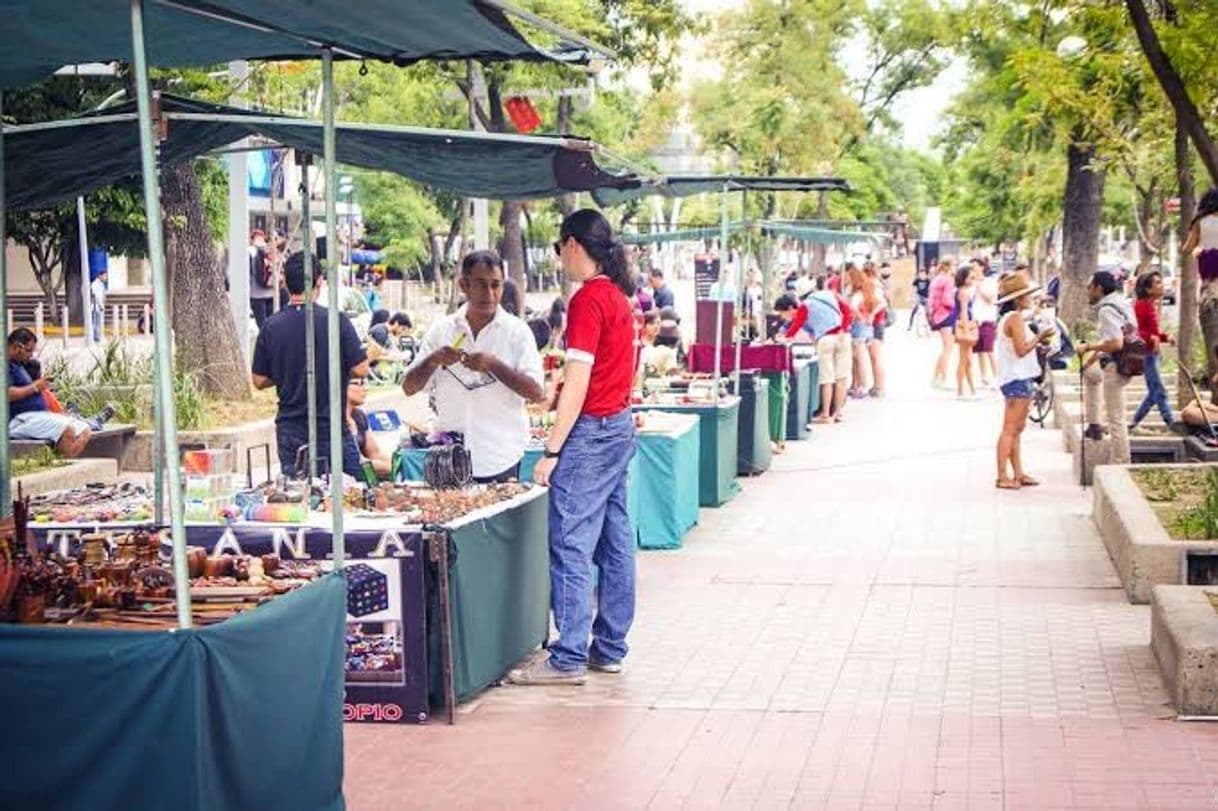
(1018, 389)
(861, 333)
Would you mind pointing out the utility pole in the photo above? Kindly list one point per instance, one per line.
(477, 91)
(238, 228)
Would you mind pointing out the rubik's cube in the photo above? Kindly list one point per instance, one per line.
(367, 590)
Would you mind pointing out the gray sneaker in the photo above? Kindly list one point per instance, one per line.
(604, 666)
(541, 673)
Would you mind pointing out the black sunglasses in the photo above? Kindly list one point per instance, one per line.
(558, 246)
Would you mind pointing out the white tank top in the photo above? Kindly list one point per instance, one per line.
(1207, 232)
(1010, 365)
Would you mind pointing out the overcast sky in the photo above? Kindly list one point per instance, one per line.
(920, 110)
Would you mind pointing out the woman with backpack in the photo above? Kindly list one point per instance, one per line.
(1149, 293)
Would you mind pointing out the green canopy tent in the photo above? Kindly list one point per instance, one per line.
(819, 236)
(188, 32)
(192, 32)
(687, 185)
(682, 235)
(42, 164)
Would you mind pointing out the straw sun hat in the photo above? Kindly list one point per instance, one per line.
(1013, 286)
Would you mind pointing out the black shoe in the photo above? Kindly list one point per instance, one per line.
(1093, 431)
(98, 420)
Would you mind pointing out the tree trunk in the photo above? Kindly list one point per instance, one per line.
(509, 220)
(819, 249)
(205, 341)
(71, 288)
(1187, 271)
(1187, 114)
(566, 202)
(1083, 207)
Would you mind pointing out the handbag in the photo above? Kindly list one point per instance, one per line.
(966, 332)
(1131, 357)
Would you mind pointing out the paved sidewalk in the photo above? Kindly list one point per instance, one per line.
(870, 625)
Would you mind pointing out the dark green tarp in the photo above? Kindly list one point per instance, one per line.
(688, 185)
(43, 163)
(43, 35)
(243, 714)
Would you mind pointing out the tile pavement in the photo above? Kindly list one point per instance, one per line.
(870, 625)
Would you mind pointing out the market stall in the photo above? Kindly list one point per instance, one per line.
(753, 453)
(773, 360)
(718, 436)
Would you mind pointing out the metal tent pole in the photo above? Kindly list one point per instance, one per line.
(6, 499)
(741, 290)
(719, 297)
(333, 351)
(305, 160)
(160, 298)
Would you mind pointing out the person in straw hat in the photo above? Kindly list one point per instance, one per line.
(1018, 367)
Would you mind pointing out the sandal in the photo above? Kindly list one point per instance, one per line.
(1028, 481)
(1007, 484)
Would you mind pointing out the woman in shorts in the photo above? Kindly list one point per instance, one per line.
(1018, 368)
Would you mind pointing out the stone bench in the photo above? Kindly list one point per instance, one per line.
(1184, 638)
(108, 443)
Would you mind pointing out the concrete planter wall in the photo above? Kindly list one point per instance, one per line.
(1143, 553)
(74, 474)
(1184, 637)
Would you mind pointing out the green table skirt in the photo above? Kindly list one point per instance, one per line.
(813, 388)
(667, 487)
(797, 404)
(753, 453)
(499, 593)
(780, 392)
(718, 437)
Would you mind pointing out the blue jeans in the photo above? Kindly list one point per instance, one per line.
(98, 317)
(1156, 392)
(290, 436)
(589, 526)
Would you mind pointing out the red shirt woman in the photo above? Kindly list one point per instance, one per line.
(585, 462)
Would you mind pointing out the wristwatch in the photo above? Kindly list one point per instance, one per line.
(549, 454)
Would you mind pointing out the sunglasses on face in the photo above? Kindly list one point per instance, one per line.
(558, 246)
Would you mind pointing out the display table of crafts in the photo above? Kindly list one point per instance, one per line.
(153, 719)
(718, 437)
(771, 357)
(441, 605)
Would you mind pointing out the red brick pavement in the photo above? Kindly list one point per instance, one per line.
(871, 625)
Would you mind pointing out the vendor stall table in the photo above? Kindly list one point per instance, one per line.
(667, 490)
(158, 719)
(799, 403)
(780, 393)
(719, 434)
(496, 563)
(753, 455)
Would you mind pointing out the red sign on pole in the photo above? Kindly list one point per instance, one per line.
(1172, 205)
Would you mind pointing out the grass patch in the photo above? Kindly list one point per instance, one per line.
(44, 459)
(1185, 500)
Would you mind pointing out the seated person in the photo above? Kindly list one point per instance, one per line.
(384, 339)
(29, 415)
(655, 359)
(357, 422)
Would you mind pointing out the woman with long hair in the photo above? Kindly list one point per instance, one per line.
(879, 325)
(1149, 292)
(966, 332)
(863, 304)
(941, 312)
(1202, 242)
(1018, 367)
(585, 461)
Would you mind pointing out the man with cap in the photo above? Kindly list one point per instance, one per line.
(1100, 376)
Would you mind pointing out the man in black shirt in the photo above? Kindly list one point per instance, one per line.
(661, 295)
(279, 361)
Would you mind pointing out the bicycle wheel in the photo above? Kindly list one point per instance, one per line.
(1042, 403)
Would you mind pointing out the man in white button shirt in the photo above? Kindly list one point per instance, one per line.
(481, 365)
